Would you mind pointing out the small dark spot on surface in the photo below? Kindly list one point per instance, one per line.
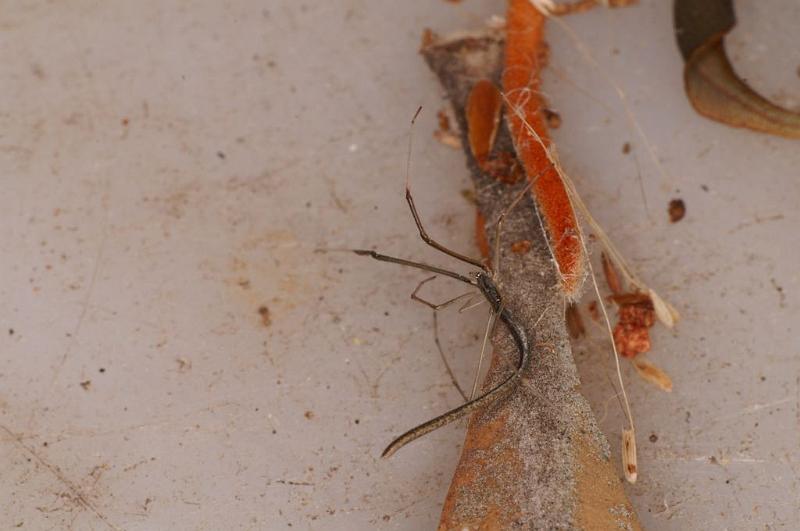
(704, 188)
(384, 313)
(274, 432)
(271, 64)
(101, 370)
(713, 460)
(677, 209)
(45, 444)
(263, 311)
(37, 71)
(763, 378)
(653, 437)
(221, 155)
(357, 421)
(308, 204)
(11, 330)
(626, 148)
(309, 415)
(125, 122)
(727, 482)
(386, 517)
(86, 384)
(469, 195)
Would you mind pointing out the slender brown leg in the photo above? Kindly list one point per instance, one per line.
(410, 200)
(436, 308)
(499, 225)
(418, 265)
(433, 243)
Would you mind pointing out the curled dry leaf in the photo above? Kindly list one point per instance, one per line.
(712, 85)
(653, 374)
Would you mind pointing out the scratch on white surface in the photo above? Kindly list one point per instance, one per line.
(74, 490)
(711, 459)
(754, 408)
(86, 299)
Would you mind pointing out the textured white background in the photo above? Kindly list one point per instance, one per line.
(169, 167)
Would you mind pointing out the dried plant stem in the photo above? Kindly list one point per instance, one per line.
(574, 198)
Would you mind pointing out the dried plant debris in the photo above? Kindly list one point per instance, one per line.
(612, 279)
(483, 118)
(677, 209)
(711, 83)
(629, 464)
(636, 316)
(445, 133)
(550, 7)
(525, 57)
(653, 374)
(553, 118)
(520, 447)
(504, 166)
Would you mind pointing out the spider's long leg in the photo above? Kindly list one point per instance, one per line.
(418, 265)
(436, 308)
(442, 305)
(410, 200)
(500, 221)
(489, 327)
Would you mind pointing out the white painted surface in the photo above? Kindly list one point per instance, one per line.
(168, 168)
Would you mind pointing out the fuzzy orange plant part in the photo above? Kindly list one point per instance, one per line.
(524, 58)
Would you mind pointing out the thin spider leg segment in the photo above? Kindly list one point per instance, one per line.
(468, 305)
(418, 265)
(434, 306)
(500, 221)
(503, 389)
(410, 200)
(433, 243)
(446, 363)
(489, 326)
